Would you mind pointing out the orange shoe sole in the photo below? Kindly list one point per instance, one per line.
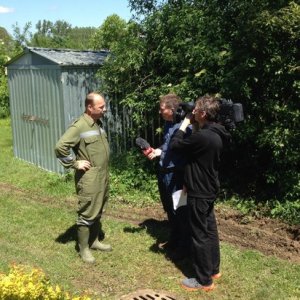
(202, 288)
(216, 276)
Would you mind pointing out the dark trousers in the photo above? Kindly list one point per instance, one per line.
(168, 183)
(205, 239)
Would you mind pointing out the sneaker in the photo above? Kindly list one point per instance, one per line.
(216, 276)
(191, 284)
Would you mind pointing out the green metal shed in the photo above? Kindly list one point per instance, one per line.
(47, 92)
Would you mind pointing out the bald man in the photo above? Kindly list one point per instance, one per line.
(88, 141)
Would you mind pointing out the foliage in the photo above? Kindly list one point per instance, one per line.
(122, 75)
(22, 36)
(287, 211)
(60, 34)
(51, 35)
(81, 38)
(112, 29)
(126, 58)
(245, 51)
(132, 175)
(4, 98)
(142, 7)
(21, 283)
(6, 46)
(262, 73)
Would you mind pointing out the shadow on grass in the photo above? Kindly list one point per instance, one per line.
(159, 230)
(68, 236)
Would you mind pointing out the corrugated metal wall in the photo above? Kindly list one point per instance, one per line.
(36, 112)
(76, 84)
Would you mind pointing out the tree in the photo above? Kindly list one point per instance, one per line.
(51, 35)
(81, 38)
(22, 37)
(110, 32)
(145, 8)
(121, 74)
(261, 39)
(59, 34)
(244, 50)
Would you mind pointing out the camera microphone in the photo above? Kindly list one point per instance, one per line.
(144, 146)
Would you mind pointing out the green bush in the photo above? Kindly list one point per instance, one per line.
(4, 98)
(132, 175)
(247, 51)
(288, 211)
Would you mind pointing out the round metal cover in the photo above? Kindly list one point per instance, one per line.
(149, 295)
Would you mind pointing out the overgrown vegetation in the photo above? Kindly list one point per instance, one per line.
(132, 174)
(244, 51)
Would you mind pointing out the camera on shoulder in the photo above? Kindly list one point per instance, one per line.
(229, 114)
(183, 109)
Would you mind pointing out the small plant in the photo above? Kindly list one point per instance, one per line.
(31, 285)
(287, 211)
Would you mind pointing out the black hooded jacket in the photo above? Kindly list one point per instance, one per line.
(202, 150)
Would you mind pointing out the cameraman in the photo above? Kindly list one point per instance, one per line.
(203, 150)
(170, 180)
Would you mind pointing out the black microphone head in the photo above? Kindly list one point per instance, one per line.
(143, 144)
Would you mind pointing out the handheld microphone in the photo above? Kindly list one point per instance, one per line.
(144, 146)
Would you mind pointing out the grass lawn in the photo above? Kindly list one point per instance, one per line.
(37, 215)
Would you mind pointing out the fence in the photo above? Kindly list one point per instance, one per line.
(122, 129)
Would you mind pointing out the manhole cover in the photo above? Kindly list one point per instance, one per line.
(149, 295)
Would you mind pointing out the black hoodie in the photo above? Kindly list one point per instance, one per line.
(202, 150)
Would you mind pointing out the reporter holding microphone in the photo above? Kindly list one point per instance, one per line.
(170, 180)
(203, 150)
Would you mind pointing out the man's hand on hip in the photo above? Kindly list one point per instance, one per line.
(83, 165)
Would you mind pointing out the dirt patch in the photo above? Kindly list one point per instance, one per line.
(271, 237)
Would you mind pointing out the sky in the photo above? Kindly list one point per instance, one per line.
(84, 13)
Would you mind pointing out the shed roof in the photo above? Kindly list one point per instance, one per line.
(67, 57)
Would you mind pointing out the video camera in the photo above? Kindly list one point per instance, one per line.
(229, 113)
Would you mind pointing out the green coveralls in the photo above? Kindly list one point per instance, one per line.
(89, 142)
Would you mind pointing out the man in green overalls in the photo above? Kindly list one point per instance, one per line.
(89, 143)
